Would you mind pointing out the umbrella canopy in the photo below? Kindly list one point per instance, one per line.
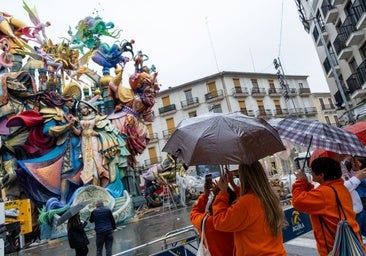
(72, 211)
(358, 129)
(319, 153)
(313, 133)
(217, 138)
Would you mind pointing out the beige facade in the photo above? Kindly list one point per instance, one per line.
(254, 94)
(338, 29)
(325, 108)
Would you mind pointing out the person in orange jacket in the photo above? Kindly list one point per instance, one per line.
(219, 243)
(256, 218)
(320, 202)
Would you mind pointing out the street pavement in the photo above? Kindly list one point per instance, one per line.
(150, 226)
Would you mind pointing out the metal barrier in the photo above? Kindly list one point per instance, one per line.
(181, 242)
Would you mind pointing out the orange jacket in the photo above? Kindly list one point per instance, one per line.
(321, 201)
(247, 220)
(219, 243)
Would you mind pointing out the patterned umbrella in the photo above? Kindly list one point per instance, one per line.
(359, 129)
(217, 138)
(313, 133)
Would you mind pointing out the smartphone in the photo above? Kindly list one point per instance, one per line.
(208, 180)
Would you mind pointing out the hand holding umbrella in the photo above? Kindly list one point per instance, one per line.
(300, 174)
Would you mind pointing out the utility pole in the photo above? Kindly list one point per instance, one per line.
(284, 85)
(317, 26)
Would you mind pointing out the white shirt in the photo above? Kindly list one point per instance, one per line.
(351, 183)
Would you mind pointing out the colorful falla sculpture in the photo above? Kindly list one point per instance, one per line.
(67, 134)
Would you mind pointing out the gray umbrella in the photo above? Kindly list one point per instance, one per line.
(72, 211)
(217, 138)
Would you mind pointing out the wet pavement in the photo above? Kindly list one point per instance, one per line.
(153, 225)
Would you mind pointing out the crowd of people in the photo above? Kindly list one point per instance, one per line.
(248, 219)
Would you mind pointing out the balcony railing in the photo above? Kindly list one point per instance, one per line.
(167, 133)
(339, 43)
(189, 102)
(214, 95)
(151, 161)
(304, 91)
(327, 107)
(310, 110)
(274, 91)
(326, 7)
(261, 112)
(359, 10)
(348, 26)
(244, 111)
(258, 91)
(353, 82)
(166, 109)
(361, 71)
(296, 111)
(153, 136)
(239, 91)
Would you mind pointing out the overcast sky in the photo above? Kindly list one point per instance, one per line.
(187, 40)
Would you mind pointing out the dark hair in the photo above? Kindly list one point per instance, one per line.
(328, 166)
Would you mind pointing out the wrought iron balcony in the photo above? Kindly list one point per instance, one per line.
(275, 91)
(189, 103)
(256, 91)
(303, 91)
(214, 95)
(167, 133)
(296, 111)
(153, 137)
(244, 111)
(167, 109)
(310, 111)
(261, 112)
(359, 9)
(348, 26)
(151, 161)
(327, 107)
(239, 91)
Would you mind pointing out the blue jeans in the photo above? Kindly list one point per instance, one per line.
(107, 239)
(361, 220)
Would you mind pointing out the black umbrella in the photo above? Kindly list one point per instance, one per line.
(72, 211)
(223, 138)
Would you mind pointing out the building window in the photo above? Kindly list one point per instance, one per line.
(236, 82)
(166, 101)
(301, 85)
(215, 108)
(254, 83)
(321, 101)
(192, 114)
(327, 120)
(188, 94)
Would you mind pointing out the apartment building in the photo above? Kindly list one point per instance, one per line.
(254, 94)
(338, 29)
(327, 112)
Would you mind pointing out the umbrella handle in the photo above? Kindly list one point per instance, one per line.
(307, 153)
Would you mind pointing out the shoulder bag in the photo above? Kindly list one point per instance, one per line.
(346, 242)
(202, 249)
